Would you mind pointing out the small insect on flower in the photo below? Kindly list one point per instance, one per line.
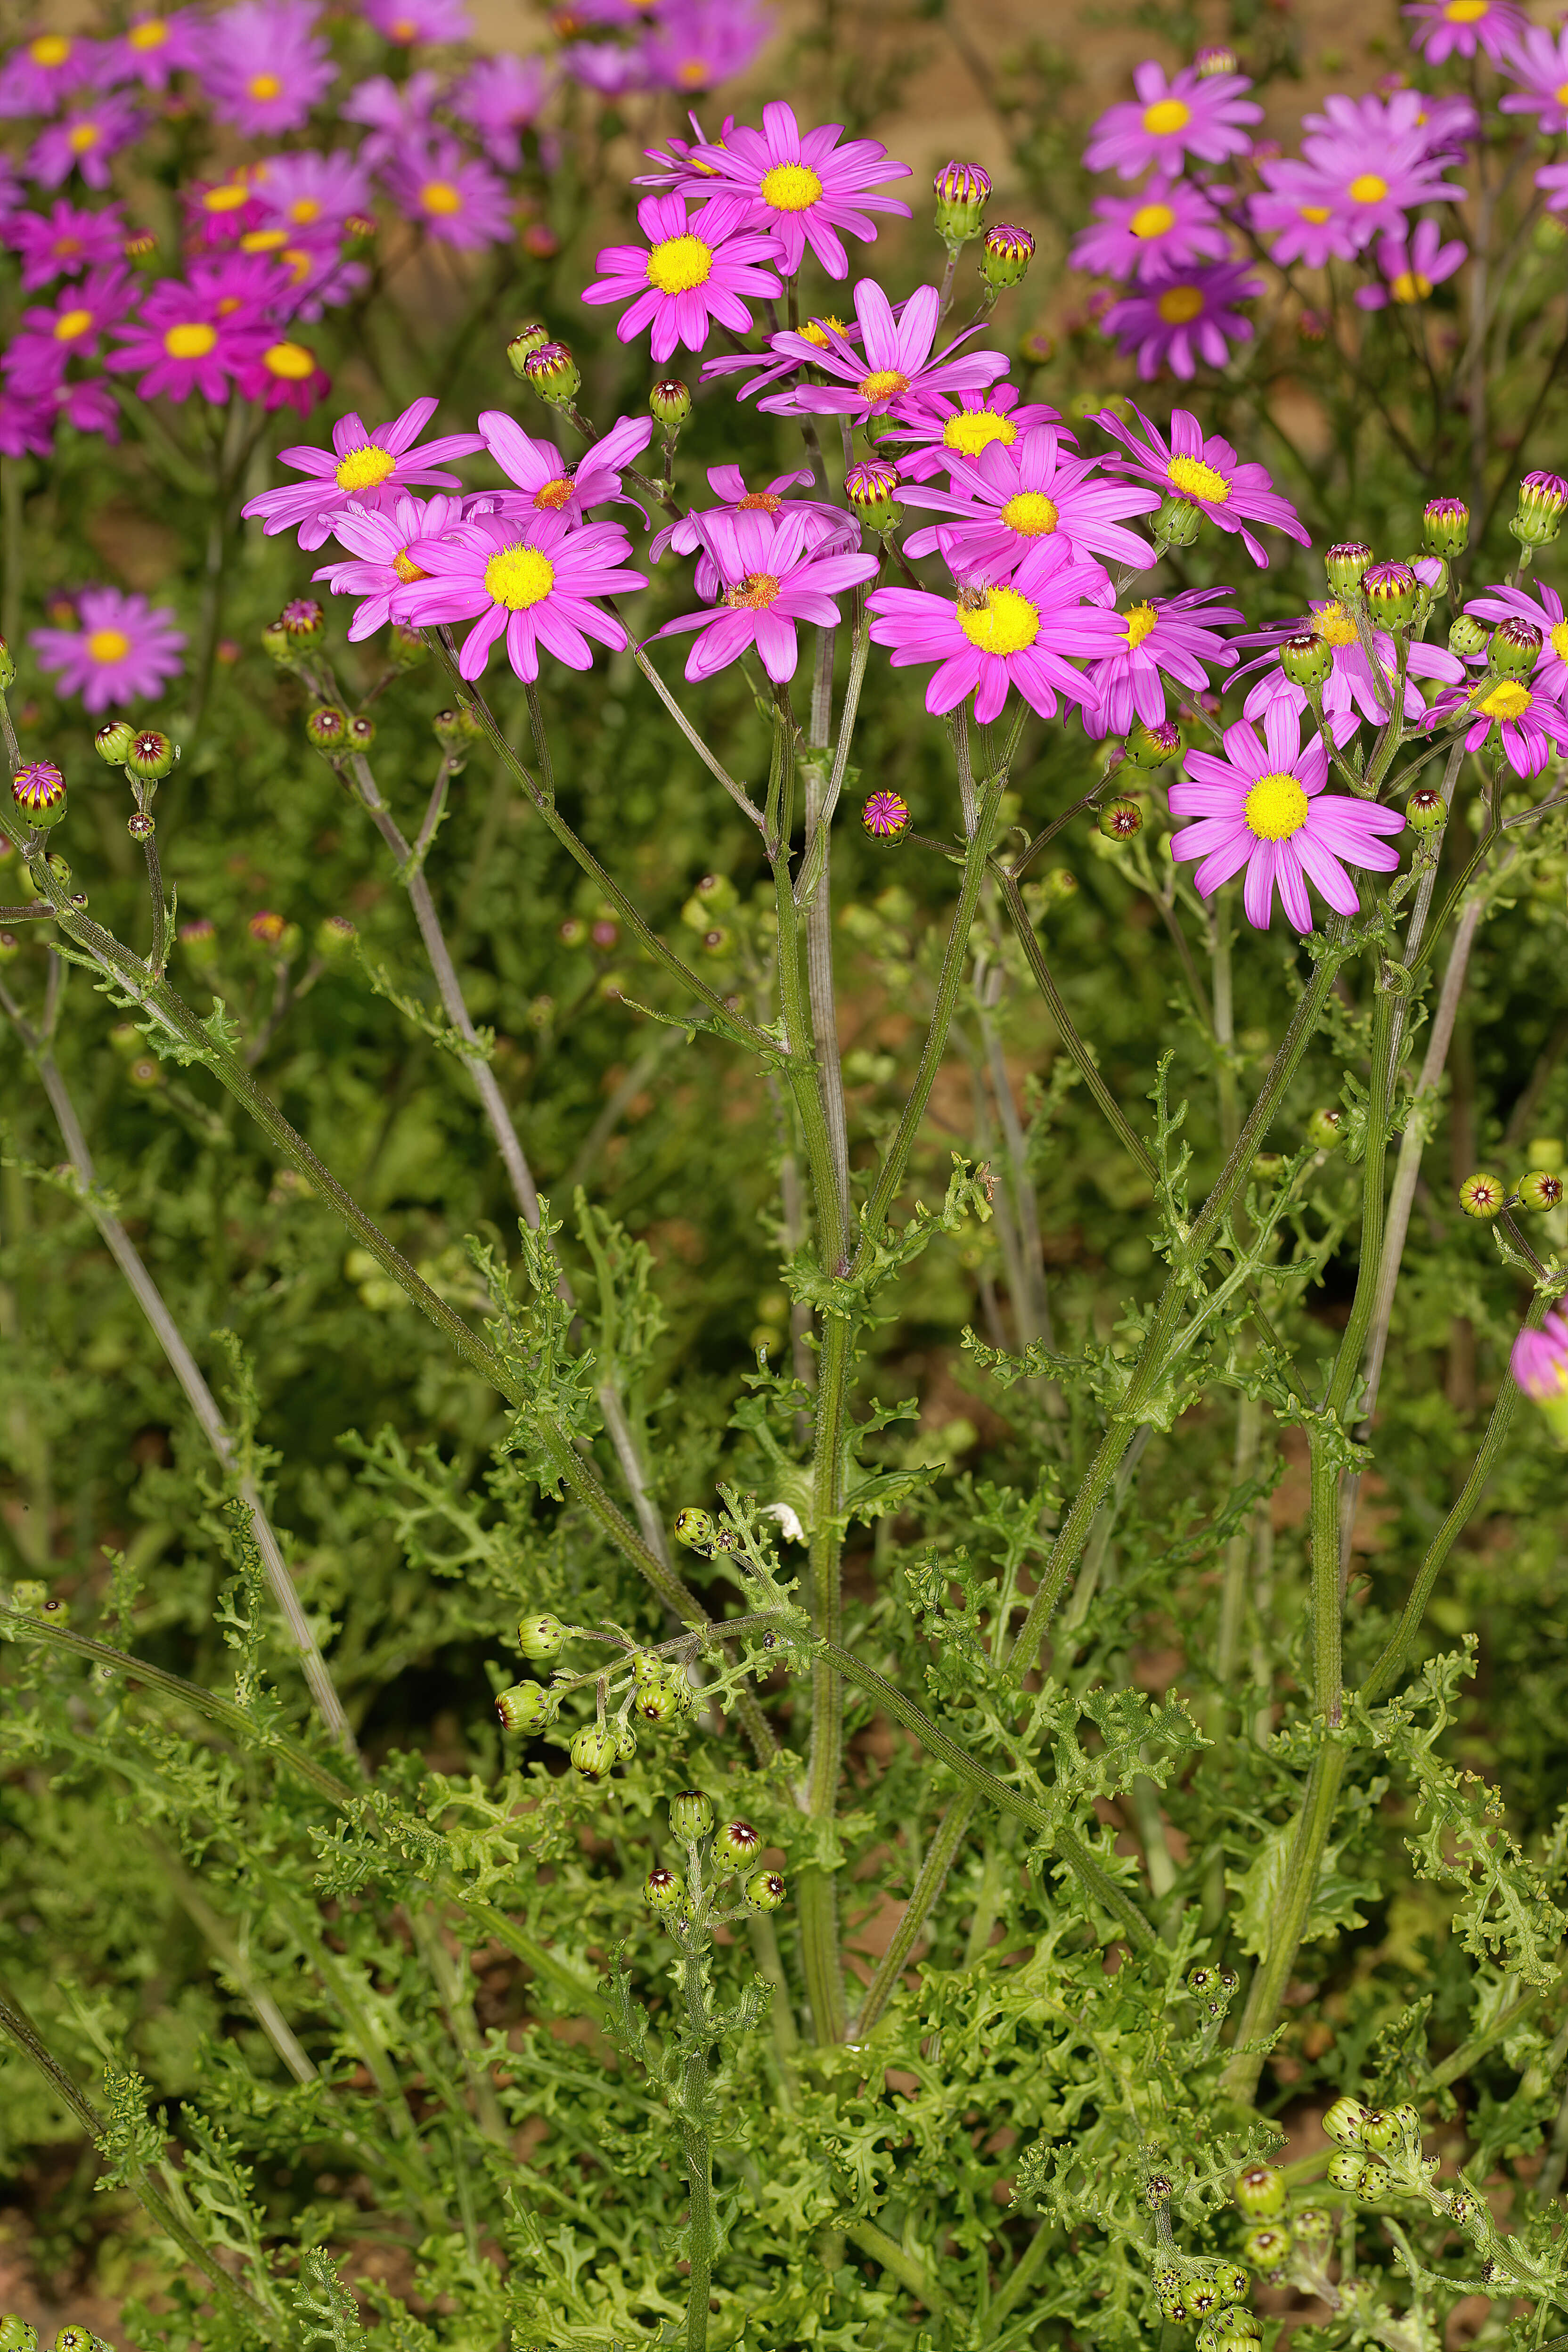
(1540, 1189)
(1481, 1195)
(886, 816)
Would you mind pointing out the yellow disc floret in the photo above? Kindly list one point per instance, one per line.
(1140, 619)
(1151, 220)
(790, 187)
(364, 469)
(70, 324)
(403, 563)
(518, 577)
(109, 646)
(50, 50)
(678, 264)
(885, 384)
(1196, 480)
(150, 34)
(1367, 188)
(1275, 808)
(1178, 305)
(754, 592)
(1334, 626)
(1031, 514)
(190, 342)
(552, 495)
(1510, 699)
(1466, 12)
(440, 197)
(974, 429)
(264, 86)
(293, 361)
(1004, 621)
(1165, 116)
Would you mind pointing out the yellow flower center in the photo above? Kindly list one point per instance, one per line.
(226, 199)
(678, 264)
(1151, 220)
(1410, 286)
(50, 50)
(1560, 94)
(293, 361)
(1510, 700)
(760, 502)
(1196, 480)
(439, 196)
(1367, 188)
(364, 469)
(755, 592)
(108, 645)
(692, 73)
(974, 429)
(554, 494)
(303, 209)
(151, 33)
(82, 136)
(1004, 623)
(405, 568)
(1181, 304)
(1030, 513)
(264, 85)
(299, 261)
(1558, 640)
(1334, 626)
(404, 28)
(263, 240)
(1466, 12)
(1140, 619)
(192, 342)
(885, 385)
(1275, 808)
(790, 187)
(70, 324)
(1166, 115)
(519, 576)
(1316, 214)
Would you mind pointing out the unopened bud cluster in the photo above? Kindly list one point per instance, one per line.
(716, 1873)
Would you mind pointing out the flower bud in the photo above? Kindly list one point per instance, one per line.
(1515, 648)
(524, 1708)
(1540, 1189)
(666, 1700)
(1382, 2130)
(870, 489)
(1120, 820)
(664, 1890)
(1344, 2122)
(737, 1843)
(1231, 2281)
(1153, 747)
(1425, 810)
(303, 622)
(10, 947)
(408, 647)
(112, 743)
(361, 731)
(539, 1636)
(765, 1892)
(522, 346)
(16, 2336)
(1201, 1981)
(1214, 61)
(1345, 2167)
(140, 824)
(151, 756)
(74, 2338)
(1538, 518)
(1482, 1196)
(593, 1751)
(1259, 2191)
(7, 680)
(1445, 526)
(886, 816)
(1230, 2331)
(1408, 2118)
(670, 403)
(1345, 564)
(334, 935)
(1201, 2294)
(1036, 349)
(962, 191)
(1326, 1130)
(694, 1528)
(553, 374)
(717, 941)
(625, 1738)
(1176, 524)
(276, 646)
(1169, 2286)
(38, 792)
(1266, 2246)
(199, 939)
(1391, 589)
(1306, 660)
(1374, 2180)
(1313, 2230)
(1005, 256)
(1466, 636)
(717, 892)
(690, 1814)
(1461, 2207)
(327, 727)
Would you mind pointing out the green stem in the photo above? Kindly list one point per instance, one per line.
(817, 1905)
(699, 2150)
(1328, 1615)
(1017, 2283)
(1083, 1061)
(950, 1832)
(1292, 1905)
(908, 2269)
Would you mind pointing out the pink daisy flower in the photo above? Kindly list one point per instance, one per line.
(769, 367)
(1202, 115)
(532, 582)
(1189, 316)
(676, 170)
(125, 649)
(1538, 60)
(185, 343)
(963, 427)
(1373, 176)
(1168, 225)
(365, 466)
(90, 134)
(828, 529)
(152, 49)
(498, 99)
(1350, 693)
(64, 241)
(1205, 472)
(72, 329)
(801, 187)
(1526, 722)
(1538, 1361)
(1263, 806)
(26, 425)
(1027, 632)
(264, 67)
(1544, 611)
(286, 375)
(1553, 181)
(1009, 499)
(770, 576)
(44, 70)
(1169, 636)
(894, 373)
(1412, 269)
(696, 44)
(698, 270)
(548, 483)
(606, 67)
(404, 22)
(384, 543)
(310, 193)
(392, 116)
(454, 197)
(1457, 29)
(1301, 212)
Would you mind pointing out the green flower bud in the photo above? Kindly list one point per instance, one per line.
(1345, 565)
(717, 893)
(1266, 2246)
(1005, 256)
(1538, 518)
(647, 1666)
(737, 1843)
(140, 824)
(1345, 2167)
(1326, 1128)
(1345, 2122)
(1515, 648)
(670, 403)
(1445, 526)
(1374, 2180)
(1542, 1188)
(1177, 521)
(303, 622)
(1236, 2320)
(1461, 2207)
(327, 727)
(593, 1751)
(962, 191)
(1306, 660)
(665, 1701)
(1153, 747)
(16, 2336)
(719, 941)
(145, 1074)
(7, 680)
(664, 1890)
(1169, 2286)
(1425, 810)
(524, 1708)
(74, 2338)
(765, 1892)
(10, 947)
(151, 756)
(1482, 1196)
(1201, 2294)
(1314, 2231)
(112, 743)
(1466, 636)
(690, 1814)
(1201, 1981)
(522, 346)
(361, 731)
(1231, 2280)
(1408, 2118)
(625, 1738)
(199, 939)
(695, 1529)
(1380, 2130)
(1391, 590)
(1227, 2337)
(1259, 2191)
(553, 374)
(408, 647)
(126, 1039)
(39, 793)
(334, 935)
(539, 1636)
(1268, 1166)
(870, 488)
(1120, 820)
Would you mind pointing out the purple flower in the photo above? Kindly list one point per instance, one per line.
(365, 466)
(606, 67)
(1263, 806)
(697, 270)
(64, 241)
(454, 197)
(125, 649)
(384, 543)
(549, 484)
(39, 75)
(1538, 60)
(1185, 317)
(26, 425)
(1010, 500)
(1203, 115)
(695, 44)
(771, 366)
(1351, 692)
(1538, 1361)
(770, 576)
(802, 187)
(72, 329)
(964, 426)
(1169, 636)
(1300, 209)
(500, 98)
(286, 375)
(392, 116)
(186, 343)
(1028, 633)
(1207, 474)
(84, 141)
(1373, 174)
(1553, 181)
(1412, 269)
(154, 48)
(1168, 225)
(828, 529)
(894, 373)
(532, 582)
(1543, 611)
(263, 66)
(407, 21)
(678, 172)
(1456, 29)
(1526, 721)
(310, 192)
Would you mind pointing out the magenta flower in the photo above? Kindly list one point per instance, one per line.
(26, 425)
(801, 187)
(1457, 29)
(532, 582)
(384, 544)
(498, 99)
(1168, 225)
(770, 577)
(1543, 611)
(1373, 175)
(698, 270)
(695, 44)
(365, 466)
(310, 193)
(1169, 636)
(769, 367)
(395, 117)
(64, 241)
(72, 329)
(263, 66)
(606, 67)
(1539, 1361)
(286, 375)
(1263, 806)
(1027, 632)
(964, 426)
(549, 484)
(1412, 269)
(1010, 500)
(44, 70)
(1553, 181)
(1538, 60)
(828, 529)
(186, 343)
(90, 134)
(404, 22)
(1203, 115)
(894, 373)
(125, 649)
(1350, 693)
(152, 48)
(1179, 319)
(1207, 474)
(1442, 126)
(1302, 211)
(1523, 720)
(454, 197)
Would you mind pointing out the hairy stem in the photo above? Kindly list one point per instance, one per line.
(1292, 1905)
